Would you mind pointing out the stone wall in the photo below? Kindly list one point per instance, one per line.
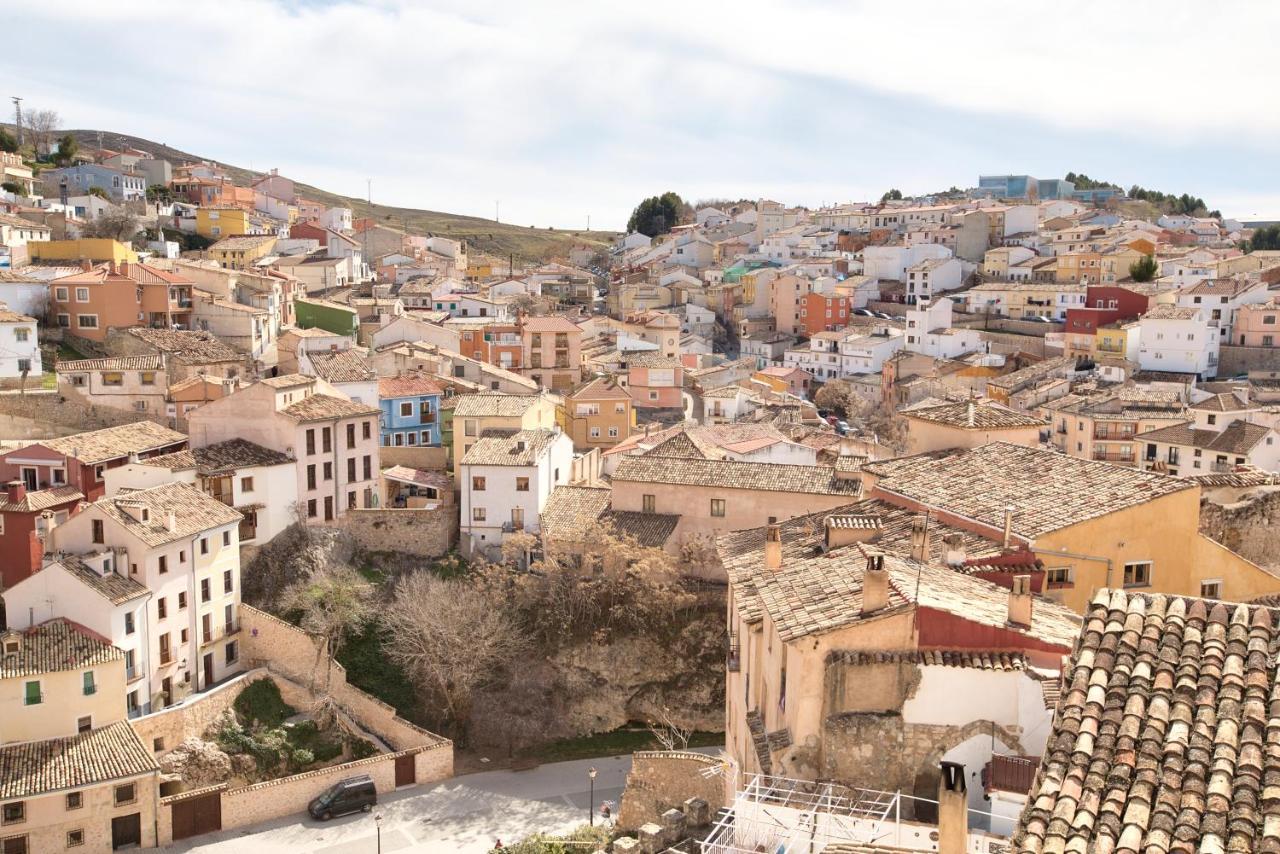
(425, 533)
(47, 414)
(1250, 527)
(428, 458)
(1234, 359)
(193, 717)
(661, 780)
(1009, 342)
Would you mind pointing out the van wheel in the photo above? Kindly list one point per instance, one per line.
(366, 807)
(326, 815)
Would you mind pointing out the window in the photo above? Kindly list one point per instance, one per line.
(647, 503)
(1213, 419)
(311, 476)
(182, 600)
(1059, 576)
(595, 432)
(206, 628)
(84, 724)
(205, 593)
(368, 467)
(717, 507)
(246, 484)
(619, 407)
(82, 294)
(1211, 588)
(204, 545)
(182, 556)
(328, 471)
(162, 608)
(477, 484)
(166, 653)
(75, 800)
(31, 694)
(226, 538)
(226, 581)
(613, 432)
(14, 813)
(351, 436)
(477, 514)
(232, 652)
(469, 427)
(326, 439)
(64, 321)
(311, 508)
(311, 443)
(1137, 574)
(406, 409)
(522, 484)
(148, 378)
(60, 294)
(87, 321)
(21, 333)
(126, 794)
(129, 627)
(99, 534)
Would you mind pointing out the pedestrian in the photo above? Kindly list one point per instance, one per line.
(606, 811)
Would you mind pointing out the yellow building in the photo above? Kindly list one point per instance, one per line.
(217, 223)
(1093, 525)
(475, 413)
(598, 415)
(479, 270)
(935, 425)
(239, 253)
(84, 249)
(1113, 339)
(1115, 263)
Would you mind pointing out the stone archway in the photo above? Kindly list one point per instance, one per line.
(928, 772)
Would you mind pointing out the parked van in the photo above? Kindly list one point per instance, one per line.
(354, 794)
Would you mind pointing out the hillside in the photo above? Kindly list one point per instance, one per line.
(499, 240)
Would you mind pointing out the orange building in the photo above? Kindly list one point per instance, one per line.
(824, 313)
(494, 343)
(89, 303)
(598, 415)
(553, 351)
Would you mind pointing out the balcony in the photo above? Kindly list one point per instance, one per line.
(1113, 456)
(1222, 468)
(219, 633)
(1113, 435)
(512, 527)
(1010, 773)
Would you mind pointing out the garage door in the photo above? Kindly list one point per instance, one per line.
(197, 815)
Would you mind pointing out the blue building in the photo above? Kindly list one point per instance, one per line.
(82, 177)
(410, 410)
(1022, 187)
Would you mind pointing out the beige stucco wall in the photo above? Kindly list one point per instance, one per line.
(48, 820)
(63, 702)
(925, 436)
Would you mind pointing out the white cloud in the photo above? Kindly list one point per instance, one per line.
(561, 108)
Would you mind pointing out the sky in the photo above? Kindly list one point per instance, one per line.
(556, 111)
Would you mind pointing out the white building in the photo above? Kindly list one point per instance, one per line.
(1220, 299)
(931, 277)
(506, 479)
(891, 262)
(1178, 339)
(19, 349)
(866, 354)
(929, 331)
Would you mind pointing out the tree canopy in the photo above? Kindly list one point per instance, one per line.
(658, 214)
(1144, 269)
(1267, 237)
(892, 195)
(8, 143)
(67, 151)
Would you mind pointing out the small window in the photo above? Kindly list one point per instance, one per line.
(246, 484)
(226, 538)
(75, 838)
(477, 514)
(522, 484)
(182, 600)
(204, 545)
(84, 724)
(164, 564)
(1211, 588)
(31, 694)
(1137, 574)
(126, 794)
(129, 626)
(89, 684)
(99, 535)
(13, 813)
(75, 800)
(227, 582)
(717, 507)
(205, 591)
(477, 484)
(406, 409)
(647, 503)
(232, 653)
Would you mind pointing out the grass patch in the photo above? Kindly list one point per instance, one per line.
(260, 704)
(67, 353)
(322, 746)
(620, 741)
(371, 670)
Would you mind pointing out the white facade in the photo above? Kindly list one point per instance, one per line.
(1220, 308)
(19, 349)
(891, 262)
(931, 277)
(1179, 340)
(866, 354)
(501, 507)
(929, 331)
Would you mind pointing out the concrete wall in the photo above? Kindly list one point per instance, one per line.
(661, 780)
(43, 415)
(1234, 359)
(1008, 343)
(426, 533)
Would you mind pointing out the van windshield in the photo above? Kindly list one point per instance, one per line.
(329, 795)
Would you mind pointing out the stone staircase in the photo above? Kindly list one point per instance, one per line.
(755, 724)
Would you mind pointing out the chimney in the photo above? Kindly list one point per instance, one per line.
(773, 546)
(920, 538)
(1242, 392)
(955, 553)
(17, 491)
(1008, 525)
(875, 585)
(970, 416)
(1020, 601)
(333, 348)
(843, 529)
(953, 810)
(172, 521)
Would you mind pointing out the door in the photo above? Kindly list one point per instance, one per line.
(328, 508)
(29, 478)
(166, 687)
(208, 669)
(198, 815)
(405, 775)
(126, 830)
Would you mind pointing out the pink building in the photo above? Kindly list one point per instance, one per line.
(333, 439)
(786, 302)
(552, 351)
(1256, 325)
(654, 381)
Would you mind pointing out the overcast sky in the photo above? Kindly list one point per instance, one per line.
(567, 108)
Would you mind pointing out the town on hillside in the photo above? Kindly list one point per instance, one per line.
(932, 523)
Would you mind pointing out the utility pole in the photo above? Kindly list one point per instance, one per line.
(588, 222)
(497, 210)
(17, 117)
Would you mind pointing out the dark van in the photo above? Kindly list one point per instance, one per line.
(354, 794)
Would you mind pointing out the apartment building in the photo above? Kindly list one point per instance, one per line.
(505, 480)
(89, 303)
(130, 383)
(599, 414)
(552, 351)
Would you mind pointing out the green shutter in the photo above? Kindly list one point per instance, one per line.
(33, 693)
(89, 686)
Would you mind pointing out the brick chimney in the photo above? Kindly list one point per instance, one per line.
(17, 490)
(1020, 601)
(920, 538)
(1008, 525)
(953, 810)
(844, 529)
(875, 585)
(773, 547)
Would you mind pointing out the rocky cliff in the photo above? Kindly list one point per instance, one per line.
(1249, 526)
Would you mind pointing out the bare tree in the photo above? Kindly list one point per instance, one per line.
(452, 640)
(117, 224)
(42, 125)
(667, 732)
(335, 602)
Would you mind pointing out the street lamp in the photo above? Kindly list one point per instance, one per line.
(377, 819)
(591, 800)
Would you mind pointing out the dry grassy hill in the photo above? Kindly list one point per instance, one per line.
(499, 240)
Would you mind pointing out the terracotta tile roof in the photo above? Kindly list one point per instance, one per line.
(115, 363)
(507, 448)
(647, 359)
(324, 407)
(1166, 735)
(550, 323)
(192, 347)
(33, 768)
(572, 511)
(1222, 402)
(600, 388)
(731, 474)
(1171, 312)
(493, 405)
(421, 477)
(1240, 437)
(1243, 477)
(116, 589)
(287, 381)
(220, 457)
(193, 511)
(973, 659)
(1222, 287)
(99, 446)
(973, 415)
(40, 499)
(242, 242)
(7, 316)
(55, 646)
(341, 366)
(1047, 490)
(650, 530)
(408, 385)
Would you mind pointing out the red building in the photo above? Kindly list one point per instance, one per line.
(28, 517)
(1103, 304)
(824, 313)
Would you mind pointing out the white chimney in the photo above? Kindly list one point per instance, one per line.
(1008, 525)
(953, 810)
(920, 538)
(875, 585)
(1020, 601)
(172, 521)
(955, 553)
(773, 547)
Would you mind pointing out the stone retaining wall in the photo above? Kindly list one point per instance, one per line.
(425, 533)
(661, 780)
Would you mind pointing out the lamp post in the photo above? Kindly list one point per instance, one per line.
(591, 805)
(377, 819)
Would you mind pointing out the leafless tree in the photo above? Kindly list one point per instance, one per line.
(668, 733)
(116, 223)
(42, 125)
(335, 602)
(452, 640)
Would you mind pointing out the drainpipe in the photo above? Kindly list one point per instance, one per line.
(1093, 558)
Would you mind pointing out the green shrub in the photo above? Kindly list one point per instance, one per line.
(302, 757)
(362, 748)
(260, 705)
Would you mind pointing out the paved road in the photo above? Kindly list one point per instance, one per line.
(464, 814)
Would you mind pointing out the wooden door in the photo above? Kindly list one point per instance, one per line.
(126, 830)
(405, 775)
(208, 669)
(194, 816)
